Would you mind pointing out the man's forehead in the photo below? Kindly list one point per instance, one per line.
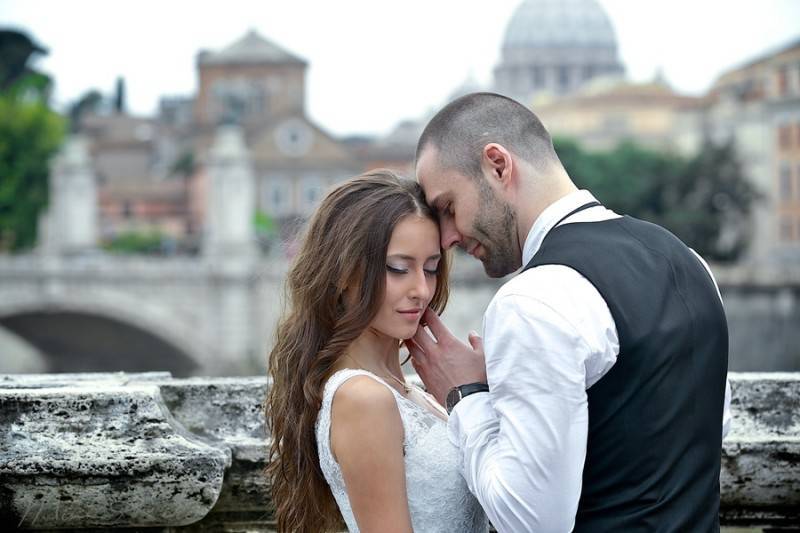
(427, 163)
(431, 174)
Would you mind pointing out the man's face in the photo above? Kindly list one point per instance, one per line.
(471, 215)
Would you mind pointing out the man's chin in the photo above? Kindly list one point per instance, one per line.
(494, 270)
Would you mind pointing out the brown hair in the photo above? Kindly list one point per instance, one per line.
(345, 246)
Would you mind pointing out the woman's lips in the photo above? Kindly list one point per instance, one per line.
(411, 313)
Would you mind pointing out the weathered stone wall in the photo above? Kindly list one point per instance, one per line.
(147, 450)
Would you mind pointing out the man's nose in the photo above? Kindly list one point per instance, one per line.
(450, 235)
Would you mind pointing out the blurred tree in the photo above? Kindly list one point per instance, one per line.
(90, 102)
(266, 230)
(184, 165)
(705, 200)
(17, 49)
(136, 242)
(30, 133)
(119, 96)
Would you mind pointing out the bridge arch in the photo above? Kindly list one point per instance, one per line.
(121, 333)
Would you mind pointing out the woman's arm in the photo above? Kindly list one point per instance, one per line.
(367, 442)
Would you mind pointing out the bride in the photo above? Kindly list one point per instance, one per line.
(353, 443)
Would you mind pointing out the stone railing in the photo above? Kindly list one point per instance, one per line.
(146, 450)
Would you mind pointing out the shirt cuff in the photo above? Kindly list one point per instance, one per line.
(469, 414)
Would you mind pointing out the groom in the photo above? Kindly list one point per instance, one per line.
(600, 401)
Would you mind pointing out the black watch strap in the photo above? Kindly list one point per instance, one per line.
(472, 388)
(462, 391)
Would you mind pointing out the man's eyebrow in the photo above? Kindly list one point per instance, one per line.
(436, 203)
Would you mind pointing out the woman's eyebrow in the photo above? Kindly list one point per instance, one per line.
(412, 258)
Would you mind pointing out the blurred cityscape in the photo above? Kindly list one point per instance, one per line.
(160, 242)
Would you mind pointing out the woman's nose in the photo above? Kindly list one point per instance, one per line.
(421, 288)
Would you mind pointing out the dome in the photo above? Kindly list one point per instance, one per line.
(555, 46)
(559, 23)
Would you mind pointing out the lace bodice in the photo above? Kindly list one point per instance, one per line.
(438, 497)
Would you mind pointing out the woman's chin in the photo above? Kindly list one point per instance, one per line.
(407, 333)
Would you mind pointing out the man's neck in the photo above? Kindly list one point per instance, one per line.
(529, 212)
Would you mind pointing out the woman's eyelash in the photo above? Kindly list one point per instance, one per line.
(395, 270)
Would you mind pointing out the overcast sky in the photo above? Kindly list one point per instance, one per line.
(372, 62)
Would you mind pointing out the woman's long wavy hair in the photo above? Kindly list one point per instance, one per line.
(344, 247)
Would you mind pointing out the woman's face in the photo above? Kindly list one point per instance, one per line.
(412, 260)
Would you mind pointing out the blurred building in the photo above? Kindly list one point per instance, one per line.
(152, 172)
(605, 112)
(555, 47)
(757, 105)
(135, 194)
(255, 83)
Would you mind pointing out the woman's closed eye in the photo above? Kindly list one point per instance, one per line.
(399, 270)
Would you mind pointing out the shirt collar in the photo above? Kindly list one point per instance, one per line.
(549, 218)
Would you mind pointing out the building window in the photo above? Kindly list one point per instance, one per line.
(537, 77)
(277, 197)
(563, 77)
(785, 193)
(783, 80)
(786, 229)
(784, 137)
(797, 183)
(311, 192)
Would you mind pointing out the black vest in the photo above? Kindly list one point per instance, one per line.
(655, 419)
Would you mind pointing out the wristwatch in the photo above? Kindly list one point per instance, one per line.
(457, 393)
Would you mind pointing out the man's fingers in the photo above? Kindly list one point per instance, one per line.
(424, 341)
(415, 351)
(475, 341)
(436, 325)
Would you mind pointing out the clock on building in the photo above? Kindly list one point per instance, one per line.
(293, 137)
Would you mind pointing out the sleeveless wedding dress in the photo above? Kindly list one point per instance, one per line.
(438, 497)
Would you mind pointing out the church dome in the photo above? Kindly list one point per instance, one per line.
(548, 23)
(554, 47)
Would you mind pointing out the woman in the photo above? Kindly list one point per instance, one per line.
(352, 439)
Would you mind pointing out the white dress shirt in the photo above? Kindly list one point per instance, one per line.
(548, 336)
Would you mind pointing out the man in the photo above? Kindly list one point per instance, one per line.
(605, 358)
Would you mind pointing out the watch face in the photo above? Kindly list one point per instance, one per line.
(452, 398)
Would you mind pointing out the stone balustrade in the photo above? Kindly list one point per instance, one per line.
(146, 450)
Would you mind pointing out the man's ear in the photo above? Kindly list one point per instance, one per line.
(499, 163)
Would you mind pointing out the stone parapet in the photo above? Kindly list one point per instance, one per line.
(146, 450)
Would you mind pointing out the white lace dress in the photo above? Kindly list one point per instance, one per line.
(438, 497)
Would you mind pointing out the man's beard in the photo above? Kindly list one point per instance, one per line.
(495, 226)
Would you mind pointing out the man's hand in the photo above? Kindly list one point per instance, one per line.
(444, 362)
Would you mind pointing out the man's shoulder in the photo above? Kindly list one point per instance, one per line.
(545, 284)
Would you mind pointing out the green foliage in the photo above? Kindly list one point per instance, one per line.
(135, 242)
(89, 102)
(266, 230)
(705, 200)
(184, 165)
(16, 50)
(30, 133)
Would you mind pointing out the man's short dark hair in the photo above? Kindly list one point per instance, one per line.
(464, 126)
